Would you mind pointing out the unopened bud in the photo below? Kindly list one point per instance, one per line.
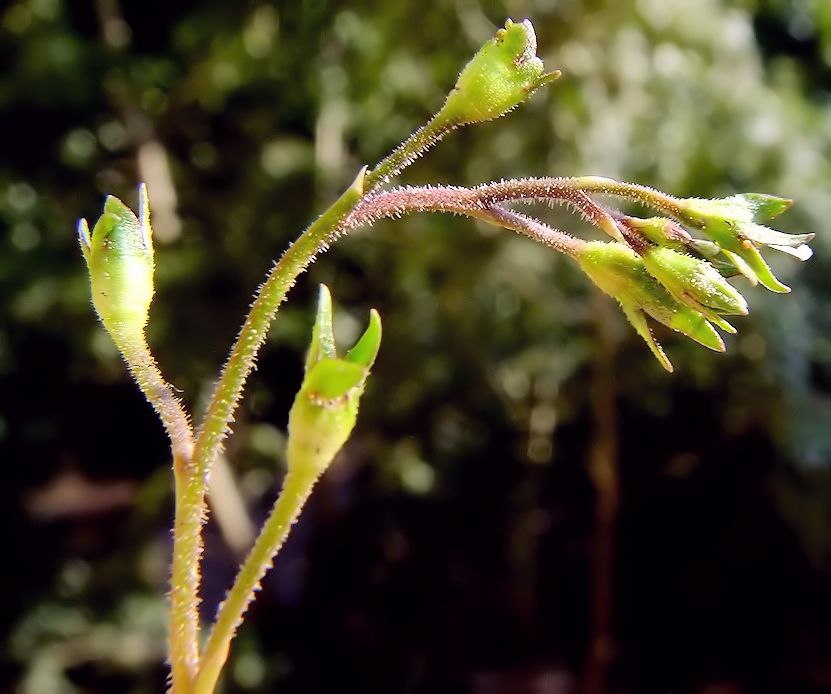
(696, 283)
(326, 406)
(119, 257)
(503, 74)
(659, 230)
(621, 273)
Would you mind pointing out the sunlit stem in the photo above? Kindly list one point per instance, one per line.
(350, 211)
(297, 487)
(533, 228)
(408, 151)
(183, 619)
(300, 481)
(252, 335)
(484, 202)
(630, 191)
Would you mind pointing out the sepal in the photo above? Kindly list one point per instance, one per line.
(326, 406)
(622, 274)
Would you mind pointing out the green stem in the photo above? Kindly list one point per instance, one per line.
(273, 291)
(184, 586)
(159, 393)
(184, 617)
(253, 333)
(408, 151)
(297, 487)
(227, 393)
(191, 490)
(191, 509)
(631, 191)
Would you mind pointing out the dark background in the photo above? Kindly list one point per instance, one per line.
(528, 504)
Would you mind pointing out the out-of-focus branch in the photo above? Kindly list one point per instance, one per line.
(603, 471)
(229, 509)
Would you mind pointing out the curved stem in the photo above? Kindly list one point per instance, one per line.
(159, 393)
(297, 487)
(408, 151)
(239, 365)
(631, 191)
(184, 617)
(252, 335)
(483, 202)
(273, 291)
(533, 228)
(350, 211)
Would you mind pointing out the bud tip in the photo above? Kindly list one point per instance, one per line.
(84, 239)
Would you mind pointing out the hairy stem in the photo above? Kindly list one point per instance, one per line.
(533, 228)
(483, 202)
(408, 151)
(240, 363)
(353, 210)
(350, 211)
(184, 618)
(631, 191)
(297, 487)
(183, 626)
(253, 333)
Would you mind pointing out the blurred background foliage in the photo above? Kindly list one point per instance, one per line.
(529, 504)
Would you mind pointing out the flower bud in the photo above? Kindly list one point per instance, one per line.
(696, 283)
(659, 230)
(119, 257)
(619, 272)
(732, 224)
(503, 74)
(326, 406)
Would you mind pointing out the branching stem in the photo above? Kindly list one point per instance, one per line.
(484, 202)
(184, 581)
(408, 151)
(352, 210)
(297, 487)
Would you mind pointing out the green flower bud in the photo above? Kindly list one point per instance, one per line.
(326, 406)
(659, 230)
(119, 257)
(503, 74)
(691, 280)
(696, 283)
(732, 224)
(621, 273)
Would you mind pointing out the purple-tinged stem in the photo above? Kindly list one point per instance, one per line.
(484, 202)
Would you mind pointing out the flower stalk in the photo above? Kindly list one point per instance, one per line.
(321, 420)
(120, 260)
(648, 267)
(653, 267)
(503, 74)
